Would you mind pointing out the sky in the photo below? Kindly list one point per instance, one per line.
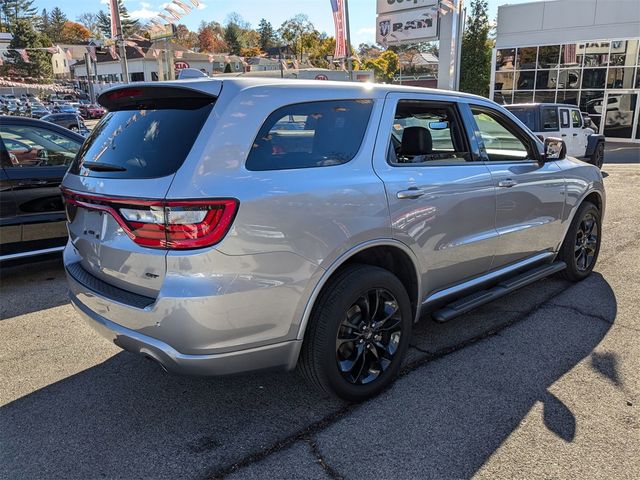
(361, 12)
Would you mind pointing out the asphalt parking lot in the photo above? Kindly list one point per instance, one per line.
(542, 383)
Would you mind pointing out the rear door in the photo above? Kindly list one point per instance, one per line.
(124, 171)
(579, 134)
(39, 157)
(441, 199)
(530, 195)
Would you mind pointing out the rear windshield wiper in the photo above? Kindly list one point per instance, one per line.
(103, 167)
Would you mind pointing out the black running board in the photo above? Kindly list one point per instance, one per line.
(466, 304)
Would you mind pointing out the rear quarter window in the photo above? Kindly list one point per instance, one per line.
(526, 116)
(314, 134)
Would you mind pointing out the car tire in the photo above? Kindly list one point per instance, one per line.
(597, 157)
(348, 353)
(581, 245)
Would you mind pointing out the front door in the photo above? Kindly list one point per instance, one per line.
(530, 194)
(441, 199)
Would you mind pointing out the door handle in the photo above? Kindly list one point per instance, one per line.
(508, 183)
(564, 134)
(575, 134)
(410, 193)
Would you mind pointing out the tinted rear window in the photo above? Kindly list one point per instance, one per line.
(315, 134)
(144, 143)
(526, 116)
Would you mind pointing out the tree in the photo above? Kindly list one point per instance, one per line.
(233, 38)
(44, 25)
(13, 10)
(296, 33)
(267, 35)
(73, 32)
(385, 66)
(24, 36)
(90, 21)
(57, 19)
(129, 25)
(475, 56)
(250, 52)
(210, 38)
(185, 37)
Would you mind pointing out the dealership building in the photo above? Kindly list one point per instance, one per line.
(580, 52)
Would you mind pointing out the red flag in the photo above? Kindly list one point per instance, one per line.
(113, 8)
(337, 6)
(178, 54)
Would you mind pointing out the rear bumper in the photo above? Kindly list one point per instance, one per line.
(281, 355)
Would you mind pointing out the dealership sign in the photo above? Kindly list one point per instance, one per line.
(406, 21)
(180, 65)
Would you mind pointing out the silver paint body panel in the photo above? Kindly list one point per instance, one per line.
(245, 303)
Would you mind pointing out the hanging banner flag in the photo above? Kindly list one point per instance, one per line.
(68, 54)
(174, 13)
(178, 53)
(195, 3)
(167, 18)
(210, 58)
(92, 53)
(52, 50)
(113, 10)
(155, 52)
(183, 6)
(337, 6)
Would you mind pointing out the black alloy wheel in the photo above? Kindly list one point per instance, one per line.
(582, 243)
(586, 242)
(369, 336)
(358, 333)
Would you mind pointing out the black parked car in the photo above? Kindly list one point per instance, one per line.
(72, 121)
(35, 156)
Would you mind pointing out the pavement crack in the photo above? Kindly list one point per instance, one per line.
(578, 311)
(329, 470)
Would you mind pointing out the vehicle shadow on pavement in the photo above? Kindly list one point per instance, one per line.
(444, 417)
(17, 297)
(448, 417)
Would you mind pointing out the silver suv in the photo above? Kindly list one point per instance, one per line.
(222, 226)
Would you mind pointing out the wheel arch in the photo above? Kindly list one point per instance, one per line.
(389, 254)
(594, 196)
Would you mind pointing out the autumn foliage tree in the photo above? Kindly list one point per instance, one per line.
(73, 32)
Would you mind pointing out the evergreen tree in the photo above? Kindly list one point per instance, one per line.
(24, 36)
(57, 19)
(233, 38)
(475, 56)
(129, 25)
(12, 10)
(265, 30)
(44, 25)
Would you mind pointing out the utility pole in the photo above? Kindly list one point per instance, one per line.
(89, 68)
(120, 41)
(348, 34)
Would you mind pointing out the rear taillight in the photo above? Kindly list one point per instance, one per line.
(166, 224)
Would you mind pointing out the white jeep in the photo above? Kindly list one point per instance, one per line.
(566, 122)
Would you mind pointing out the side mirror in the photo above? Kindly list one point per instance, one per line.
(554, 149)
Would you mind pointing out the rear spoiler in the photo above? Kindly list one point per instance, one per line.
(151, 97)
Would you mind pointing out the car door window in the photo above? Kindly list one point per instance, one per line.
(426, 132)
(576, 119)
(550, 119)
(30, 146)
(503, 140)
(564, 118)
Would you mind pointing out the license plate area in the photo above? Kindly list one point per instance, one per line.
(93, 223)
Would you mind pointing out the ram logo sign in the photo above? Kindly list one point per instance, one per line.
(406, 21)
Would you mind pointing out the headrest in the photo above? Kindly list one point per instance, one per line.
(416, 141)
